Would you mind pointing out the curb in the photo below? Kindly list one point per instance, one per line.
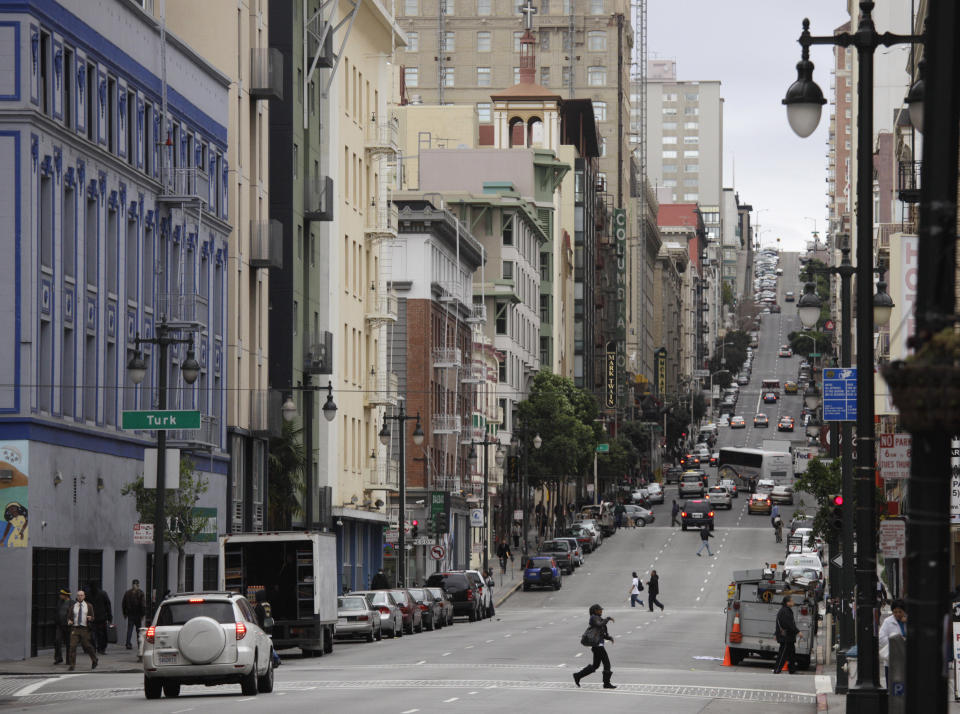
(507, 594)
(59, 672)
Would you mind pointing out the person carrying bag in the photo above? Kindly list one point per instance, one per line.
(593, 637)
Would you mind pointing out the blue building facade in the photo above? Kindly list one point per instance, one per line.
(108, 225)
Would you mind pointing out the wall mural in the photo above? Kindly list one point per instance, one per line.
(14, 476)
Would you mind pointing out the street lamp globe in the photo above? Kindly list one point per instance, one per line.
(137, 369)
(418, 432)
(384, 433)
(329, 406)
(190, 367)
(537, 442)
(473, 456)
(808, 306)
(288, 410)
(804, 101)
(882, 306)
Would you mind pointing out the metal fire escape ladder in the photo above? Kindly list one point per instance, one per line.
(318, 30)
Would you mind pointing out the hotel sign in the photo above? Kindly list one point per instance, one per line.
(610, 399)
(660, 366)
(620, 246)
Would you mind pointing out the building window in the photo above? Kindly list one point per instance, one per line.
(411, 76)
(691, 154)
(691, 196)
(484, 7)
(691, 140)
(483, 76)
(483, 42)
(669, 140)
(446, 76)
(691, 125)
(596, 7)
(517, 36)
(411, 7)
(669, 111)
(691, 111)
(507, 229)
(502, 371)
(603, 146)
(667, 125)
(565, 75)
(413, 42)
(691, 96)
(484, 112)
(597, 40)
(544, 34)
(545, 308)
(507, 270)
(449, 43)
(670, 183)
(669, 154)
(500, 320)
(601, 181)
(691, 167)
(597, 76)
(690, 183)
(448, 7)
(516, 75)
(567, 7)
(669, 168)
(669, 97)
(600, 111)
(545, 76)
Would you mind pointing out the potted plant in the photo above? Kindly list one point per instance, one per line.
(926, 386)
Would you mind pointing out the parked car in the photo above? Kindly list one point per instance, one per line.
(391, 619)
(575, 547)
(466, 602)
(641, 516)
(695, 512)
(412, 617)
(205, 638)
(446, 603)
(431, 611)
(759, 503)
(655, 493)
(542, 571)
(561, 552)
(790, 387)
(582, 535)
(719, 496)
(357, 618)
(485, 593)
(673, 474)
(800, 521)
(594, 528)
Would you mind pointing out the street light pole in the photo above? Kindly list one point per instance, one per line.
(486, 489)
(137, 370)
(804, 102)
(401, 418)
(289, 412)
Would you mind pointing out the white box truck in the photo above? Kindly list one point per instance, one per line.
(298, 572)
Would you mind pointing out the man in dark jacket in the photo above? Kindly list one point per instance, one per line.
(653, 590)
(61, 637)
(102, 614)
(787, 633)
(134, 606)
(379, 581)
(705, 535)
(674, 512)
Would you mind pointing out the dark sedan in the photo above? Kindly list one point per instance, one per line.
(412, 618)
(446, 603)
(431, 611)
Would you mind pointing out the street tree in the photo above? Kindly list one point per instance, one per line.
(286, 469)
(184, 523)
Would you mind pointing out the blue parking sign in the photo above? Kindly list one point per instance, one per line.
(840, 394)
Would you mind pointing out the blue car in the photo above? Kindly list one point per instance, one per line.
(542, 571)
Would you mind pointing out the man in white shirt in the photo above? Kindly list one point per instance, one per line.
(80, 619)
(895, 624)
(635, 591)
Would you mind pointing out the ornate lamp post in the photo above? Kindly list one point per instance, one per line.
(288, 410)
(402, 418)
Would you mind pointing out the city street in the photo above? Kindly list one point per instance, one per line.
(668, 661)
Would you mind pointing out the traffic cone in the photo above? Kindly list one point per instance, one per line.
(726, 658)
(735, 635)
(786, 665)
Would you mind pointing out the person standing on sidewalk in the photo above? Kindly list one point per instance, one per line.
(594, 637)
(787, 633)
(674, 512)
(653, 589)
(705, 535)
(635, 589)
(61, 639)
(134, 606)
(80, 621)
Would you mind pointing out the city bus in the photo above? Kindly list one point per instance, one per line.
(749, 465)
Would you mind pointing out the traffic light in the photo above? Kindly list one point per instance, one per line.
(414, 528)
(432, 526)
(836, 513)
(443, 526)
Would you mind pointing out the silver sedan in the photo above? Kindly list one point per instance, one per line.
(391, 619)
(355, 618)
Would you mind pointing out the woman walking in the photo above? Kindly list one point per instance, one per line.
(594, 637)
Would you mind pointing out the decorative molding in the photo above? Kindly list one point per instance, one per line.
(81, 79)
(46, 165)
(34, 46)
(58, 159)
(58, 64)
(69, 178)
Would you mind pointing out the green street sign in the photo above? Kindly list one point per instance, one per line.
(157, 419)
(603, 448)
(437, 501)
(814, 354)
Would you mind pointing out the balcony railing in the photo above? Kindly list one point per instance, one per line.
(187, 309)
(318, 353)
(265, 414)
(908, 181)
(382, 135)
(381, 307)
(477, 314)
(318, 198)
(266, 244)
(446, 424)
(206, 438)
(382, 389)
(474, 373)
(184, 185)
(266, 73)
(447, 357)
(382, 220)
(385, 476)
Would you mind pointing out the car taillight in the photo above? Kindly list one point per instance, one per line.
(361, 618)
(470, 594)
(736, 605)
(710, 514)
(804, 611)
(195, 600)
(383, 610)
(423, 608)
(241, 630)
(151, 633)
(768, 501)
(683, 514)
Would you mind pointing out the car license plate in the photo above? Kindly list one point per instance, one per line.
(167, 658)
(698, 515)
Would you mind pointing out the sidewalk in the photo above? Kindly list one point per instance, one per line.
(117, 659)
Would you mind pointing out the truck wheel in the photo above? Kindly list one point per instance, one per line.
(737, 655)
(152, 688)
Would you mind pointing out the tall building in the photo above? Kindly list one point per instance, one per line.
(685, 138)
(333, 144)
(840, 142)
(240, 50)
(115, 217)
(461, 52)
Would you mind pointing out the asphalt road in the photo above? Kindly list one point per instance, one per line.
(523, 659)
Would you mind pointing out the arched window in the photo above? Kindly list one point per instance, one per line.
(535, 133)
(517, 133)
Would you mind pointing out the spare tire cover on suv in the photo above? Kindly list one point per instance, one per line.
(201, 640)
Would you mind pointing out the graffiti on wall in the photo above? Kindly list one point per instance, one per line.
(14, 475)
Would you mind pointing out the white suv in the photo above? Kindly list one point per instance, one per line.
(206, 638)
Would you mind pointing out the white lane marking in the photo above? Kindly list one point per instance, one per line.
(423, 661)
(410, 711)
(473, 692)
(248, 699)
(579, 654)
(180, 711)
(562, 664)
(489, 641)
(31, 688)
(468, 647)
(446, 654)
(698, 598)
(512, 635)
(451, 699)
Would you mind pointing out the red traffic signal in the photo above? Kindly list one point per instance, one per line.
(414, 523)
(838, 500)
(683, 433)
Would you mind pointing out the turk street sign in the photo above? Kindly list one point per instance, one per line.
(156, 419)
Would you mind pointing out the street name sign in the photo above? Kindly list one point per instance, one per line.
(701, 373)
(603, 448)
(157, 419)
(840, 394)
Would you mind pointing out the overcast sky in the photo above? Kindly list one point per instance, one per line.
(751, 47)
